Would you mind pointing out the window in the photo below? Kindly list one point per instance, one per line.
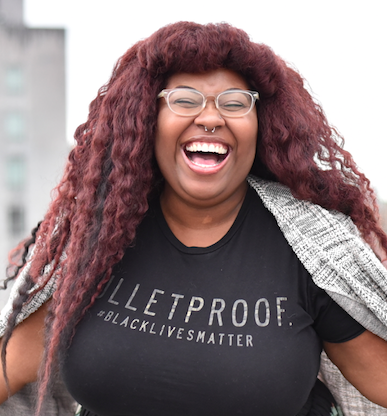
(14, 80)
(16, 220)
(14, 126)
(16, 172)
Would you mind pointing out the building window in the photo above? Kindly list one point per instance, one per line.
(16, 220)
(14, 126)
(16, 172)
(14, 80)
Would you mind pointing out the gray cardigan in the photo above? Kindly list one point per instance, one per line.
(332, 250)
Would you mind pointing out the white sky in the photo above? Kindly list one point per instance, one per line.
(339, 46)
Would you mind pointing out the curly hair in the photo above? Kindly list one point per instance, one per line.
(111, 172)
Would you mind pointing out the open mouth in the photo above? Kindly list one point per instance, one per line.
(206, 154)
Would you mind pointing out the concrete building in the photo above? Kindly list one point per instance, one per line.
(32, 123)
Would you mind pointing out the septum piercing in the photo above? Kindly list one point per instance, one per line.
(212, 131)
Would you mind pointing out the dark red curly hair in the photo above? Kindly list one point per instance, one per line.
(111, 172)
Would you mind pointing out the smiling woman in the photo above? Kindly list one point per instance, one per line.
(207, 242)
(196, 177)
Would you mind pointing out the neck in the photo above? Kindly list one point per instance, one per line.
(200, 224)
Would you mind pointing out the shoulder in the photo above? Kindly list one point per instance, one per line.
(279, 199)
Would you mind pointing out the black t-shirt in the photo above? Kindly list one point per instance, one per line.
(231, 329)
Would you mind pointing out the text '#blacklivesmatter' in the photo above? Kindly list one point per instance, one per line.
(263, 314)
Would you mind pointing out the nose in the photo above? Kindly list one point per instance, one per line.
(210, 116)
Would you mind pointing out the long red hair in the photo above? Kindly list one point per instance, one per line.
(111, 172)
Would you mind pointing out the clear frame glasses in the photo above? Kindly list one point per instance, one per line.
(189, 102)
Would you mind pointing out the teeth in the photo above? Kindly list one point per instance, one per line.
(207, 148)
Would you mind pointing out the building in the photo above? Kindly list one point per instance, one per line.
(32, 123)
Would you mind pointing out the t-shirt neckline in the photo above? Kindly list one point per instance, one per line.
(203, 250)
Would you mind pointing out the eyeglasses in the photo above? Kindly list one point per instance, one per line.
(189, 102)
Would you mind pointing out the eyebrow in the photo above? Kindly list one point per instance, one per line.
(191, 88)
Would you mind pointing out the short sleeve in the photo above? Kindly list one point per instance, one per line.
(331, 322)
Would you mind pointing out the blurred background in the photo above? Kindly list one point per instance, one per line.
(55, 54)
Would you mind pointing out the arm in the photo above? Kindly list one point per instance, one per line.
(363, 362)
(24, 353)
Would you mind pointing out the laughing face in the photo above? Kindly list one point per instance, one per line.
(201, 165)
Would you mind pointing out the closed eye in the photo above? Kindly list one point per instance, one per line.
(233, 105)
(186, 103)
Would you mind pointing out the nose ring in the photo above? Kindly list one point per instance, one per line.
(212, 130)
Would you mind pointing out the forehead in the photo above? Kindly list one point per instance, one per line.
(214, 81)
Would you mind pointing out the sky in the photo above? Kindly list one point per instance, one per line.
(338, 46)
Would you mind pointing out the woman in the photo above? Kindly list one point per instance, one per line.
(181, 287)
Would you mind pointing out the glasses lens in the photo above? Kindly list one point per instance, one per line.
(235, 103)
(185, 102)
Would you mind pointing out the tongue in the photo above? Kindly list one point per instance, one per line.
(208, 159)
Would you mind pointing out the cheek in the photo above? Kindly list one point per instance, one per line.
(169, 131)
(167, 139)
(247, 139)
(163, 133)
(160, 149)
(254, 132)
(160, 143)
(247, 135)
(255, 125)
